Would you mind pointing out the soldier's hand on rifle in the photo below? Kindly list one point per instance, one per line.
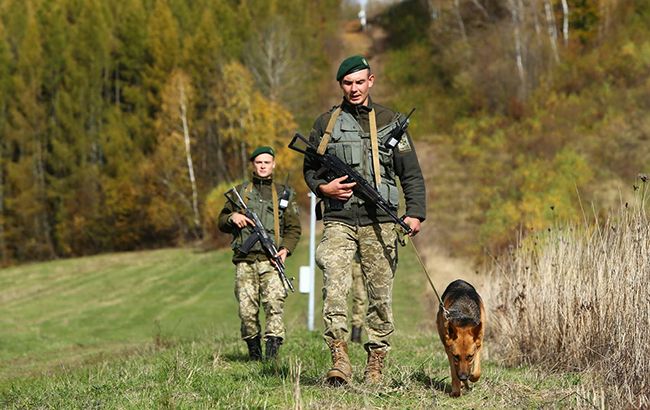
(337, 189)
(414, 223)
(282, 254)
(240, 220)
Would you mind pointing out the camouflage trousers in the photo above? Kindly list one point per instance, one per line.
(359, 294)
(259, 283)
(377, 247)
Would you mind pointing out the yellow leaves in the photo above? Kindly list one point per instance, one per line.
(245, 115)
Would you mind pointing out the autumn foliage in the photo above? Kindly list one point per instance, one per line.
(117, 119)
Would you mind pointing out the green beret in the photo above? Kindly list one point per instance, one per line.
(262, 150)
(351, 65)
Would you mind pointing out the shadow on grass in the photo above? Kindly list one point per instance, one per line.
(282, 369)
(236, 357)
(438, 384)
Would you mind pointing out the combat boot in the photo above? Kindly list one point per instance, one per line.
(254, 348)
(375, 364)
(356, 334)
(341, 371)
(273, 347)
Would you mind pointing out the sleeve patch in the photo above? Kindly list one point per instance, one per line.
(404, 145)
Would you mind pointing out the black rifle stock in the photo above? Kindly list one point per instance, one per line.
(333, 167)
(260, 234)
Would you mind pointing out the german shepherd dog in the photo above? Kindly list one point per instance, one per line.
(461, 332)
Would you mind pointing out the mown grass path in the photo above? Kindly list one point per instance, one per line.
(160, 329)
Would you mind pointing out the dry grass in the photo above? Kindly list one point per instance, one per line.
(577, 299)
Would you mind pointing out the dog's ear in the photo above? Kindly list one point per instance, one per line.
(476, 331)
(451, 330)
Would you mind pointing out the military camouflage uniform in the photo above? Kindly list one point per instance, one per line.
(359, 294)
(363, 227)
(257, 281)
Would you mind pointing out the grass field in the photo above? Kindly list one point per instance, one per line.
(159, 329)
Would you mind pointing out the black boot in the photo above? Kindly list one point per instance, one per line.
(273, 347)
(254, 348)
(356, 334)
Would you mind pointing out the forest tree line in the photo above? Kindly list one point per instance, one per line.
(117, 118)
(538, 110)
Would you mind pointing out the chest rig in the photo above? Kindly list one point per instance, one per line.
(270, 212)
(363, 151)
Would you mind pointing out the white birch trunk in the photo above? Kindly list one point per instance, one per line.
(188, 156)
(552, 32)
(538, 27)
(565, 22)
(519, 59)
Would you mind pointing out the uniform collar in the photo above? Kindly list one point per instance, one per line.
(262, 181)
(357, 110)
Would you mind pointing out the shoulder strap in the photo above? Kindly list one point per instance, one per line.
(276, 215)
(374, 144)
(328, 131)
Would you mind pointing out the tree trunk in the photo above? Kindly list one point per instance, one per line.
(552, 32)
(515, 12)
(482, 9)
(42, 219)
(565, 22)
(459, 19)
(188, 155)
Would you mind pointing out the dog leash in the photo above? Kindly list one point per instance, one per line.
(445, 312)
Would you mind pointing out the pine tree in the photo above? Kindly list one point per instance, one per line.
(4, 155)
(30, 230)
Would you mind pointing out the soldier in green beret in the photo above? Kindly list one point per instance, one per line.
(257, 280)
(354, 131)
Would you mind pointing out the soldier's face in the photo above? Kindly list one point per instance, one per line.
(356, 86)
(264, 164)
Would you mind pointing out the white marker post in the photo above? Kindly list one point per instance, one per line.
(308, 273)
(312, 260)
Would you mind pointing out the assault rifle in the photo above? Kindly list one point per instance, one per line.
(260, 234)
(333, 167)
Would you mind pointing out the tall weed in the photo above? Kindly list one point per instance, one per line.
(576, 298)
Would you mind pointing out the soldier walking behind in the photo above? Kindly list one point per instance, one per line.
(257, 280)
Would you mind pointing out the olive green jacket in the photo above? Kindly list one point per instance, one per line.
(290, 222)
(405, 166)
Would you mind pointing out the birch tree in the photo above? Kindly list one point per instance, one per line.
(180, 83)
(516, 11)
(31, 226)
(552, 30)
(565, 22)
(173, 167)
(271, 58)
